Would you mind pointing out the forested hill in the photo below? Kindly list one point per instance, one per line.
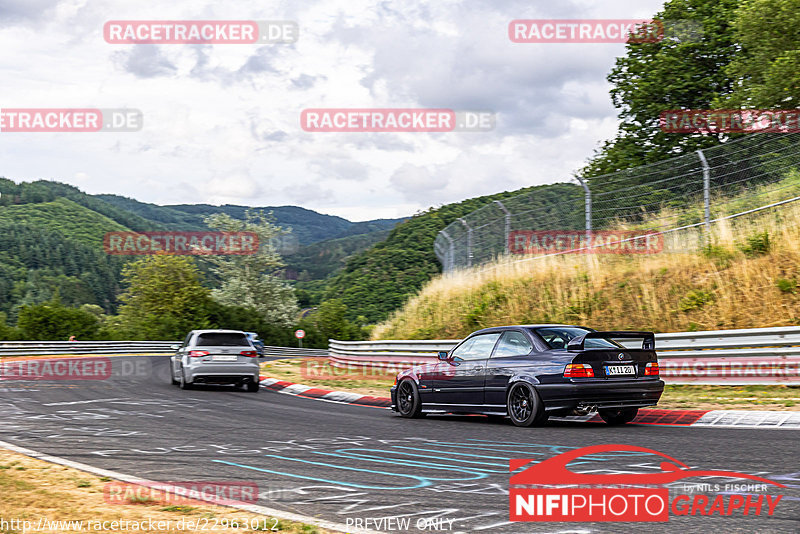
(380, 279)
(307, 226)
(51, 240)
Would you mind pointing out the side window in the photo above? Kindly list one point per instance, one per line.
(477, 348)
(513, 344)
(186, 340)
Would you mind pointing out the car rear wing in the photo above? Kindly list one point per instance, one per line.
(648, 343)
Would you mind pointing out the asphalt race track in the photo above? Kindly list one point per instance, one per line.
(341, 462)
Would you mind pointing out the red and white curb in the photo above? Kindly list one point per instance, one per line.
(750, 419)
(693, 418)
(343, 397)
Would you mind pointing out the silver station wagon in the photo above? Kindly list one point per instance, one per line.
(215, 357)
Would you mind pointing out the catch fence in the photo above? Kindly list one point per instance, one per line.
(637, 210)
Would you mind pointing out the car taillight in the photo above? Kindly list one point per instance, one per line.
(198, 353)
(651, 369)
(578, 370)
(249, 353)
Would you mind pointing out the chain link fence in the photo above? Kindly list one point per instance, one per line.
(634, 210)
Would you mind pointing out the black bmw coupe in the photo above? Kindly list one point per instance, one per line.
(532, 372)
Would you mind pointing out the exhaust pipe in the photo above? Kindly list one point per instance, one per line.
(585, 409)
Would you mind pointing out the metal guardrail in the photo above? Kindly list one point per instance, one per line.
(730, 357)
(33, 348)
(294, 352)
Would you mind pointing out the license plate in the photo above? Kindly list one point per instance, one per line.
(616, 370)
(224, 358)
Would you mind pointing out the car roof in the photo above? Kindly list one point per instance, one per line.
(218, 331)
(508, 327)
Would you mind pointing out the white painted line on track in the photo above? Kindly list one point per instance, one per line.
(83, 402)
(254, 508)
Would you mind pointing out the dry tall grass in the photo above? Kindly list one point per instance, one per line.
(747, 277)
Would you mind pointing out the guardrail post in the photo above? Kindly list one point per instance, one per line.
(508, 225)
(469, 241)
(706, 193)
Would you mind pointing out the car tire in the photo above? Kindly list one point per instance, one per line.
(172, 375)
(252, 387)
(618, 416)
(182, 381)
(408, 402)
(524, 406)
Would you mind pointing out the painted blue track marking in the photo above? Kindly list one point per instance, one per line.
(556, 449)
(506, 458)
(423, 482)
(439, 456)
(482, 448)
(412, 463)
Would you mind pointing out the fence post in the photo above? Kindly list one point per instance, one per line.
(706, 192)
(451, 254)
(469, 241)
(587, 194)
(508, 225)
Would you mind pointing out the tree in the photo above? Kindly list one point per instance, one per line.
(239, 318)
(165, 298)
(250, 281)
(684, 72)
(52, 321)
(8, 333)
(766, 71)
(330, 321)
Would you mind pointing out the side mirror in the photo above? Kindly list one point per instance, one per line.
(174, 347)
(443, 355)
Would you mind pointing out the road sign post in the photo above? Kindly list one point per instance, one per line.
(300, 334)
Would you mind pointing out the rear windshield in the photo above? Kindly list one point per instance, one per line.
(222, 339)
(557, 337)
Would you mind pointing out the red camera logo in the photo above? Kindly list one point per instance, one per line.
(631, 498)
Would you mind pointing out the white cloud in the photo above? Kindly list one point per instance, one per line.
(221, 122)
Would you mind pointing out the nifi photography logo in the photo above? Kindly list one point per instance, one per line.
(540, 493)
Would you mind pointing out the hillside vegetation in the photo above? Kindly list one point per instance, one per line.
(51, 237)
(747, 277)
(65, 217)
(307, 226)
(319, 260)
(380, 279)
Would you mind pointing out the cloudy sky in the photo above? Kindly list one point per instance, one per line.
(221, 122)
